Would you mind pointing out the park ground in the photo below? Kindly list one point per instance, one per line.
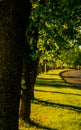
(57, 103)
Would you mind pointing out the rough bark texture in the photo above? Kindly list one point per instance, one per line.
(13, 20)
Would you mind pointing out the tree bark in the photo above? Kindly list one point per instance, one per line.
(14, 15)
(34, 75)
(30, 73)
(25, 104)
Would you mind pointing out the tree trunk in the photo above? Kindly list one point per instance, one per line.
(25, 105)
(13, 26)
(30, 73)
(34, 75)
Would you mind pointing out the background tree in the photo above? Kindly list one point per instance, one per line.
(30, 71)
(56, 22)
(77, 61)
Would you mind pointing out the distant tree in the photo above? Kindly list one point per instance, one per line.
(77, 61)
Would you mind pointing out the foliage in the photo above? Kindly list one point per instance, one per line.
(58, 25)
(78, 59)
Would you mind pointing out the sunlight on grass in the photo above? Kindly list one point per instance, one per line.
(57, 105)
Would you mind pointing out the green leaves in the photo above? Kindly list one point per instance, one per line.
(58, 25)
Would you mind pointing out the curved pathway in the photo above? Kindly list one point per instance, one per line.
(72, 77)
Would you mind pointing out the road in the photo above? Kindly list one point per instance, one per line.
(72, 77)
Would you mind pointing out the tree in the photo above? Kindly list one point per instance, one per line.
(77, 61)
(14, 16)
(55, 21)
(30, 71)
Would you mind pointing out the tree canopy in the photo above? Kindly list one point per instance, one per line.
(58, 24)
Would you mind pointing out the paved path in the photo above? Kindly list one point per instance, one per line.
(73, 77)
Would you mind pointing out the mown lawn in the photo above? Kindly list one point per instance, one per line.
(57, 105)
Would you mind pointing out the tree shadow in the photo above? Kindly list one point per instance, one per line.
(59, 105)
(53, 82)
(46, 79)
(51, 74)
(58, 92)
(56, 83)
(37, 125)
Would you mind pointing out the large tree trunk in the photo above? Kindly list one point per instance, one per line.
(13, 26)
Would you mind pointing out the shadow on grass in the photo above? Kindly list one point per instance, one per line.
(52, 82)
(58, 92)
(64, 106)
(51, 74)
(37, 125)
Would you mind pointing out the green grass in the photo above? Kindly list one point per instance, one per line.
(57, 105)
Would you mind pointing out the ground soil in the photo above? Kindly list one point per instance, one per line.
(73, 77)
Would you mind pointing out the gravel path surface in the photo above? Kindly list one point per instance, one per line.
(72, 77)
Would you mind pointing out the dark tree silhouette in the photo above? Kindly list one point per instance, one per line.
(14, 15)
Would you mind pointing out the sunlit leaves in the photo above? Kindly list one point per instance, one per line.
(58, 25)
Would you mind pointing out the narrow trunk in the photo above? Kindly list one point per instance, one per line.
(30, 73)
(25, 106)
(34, 75)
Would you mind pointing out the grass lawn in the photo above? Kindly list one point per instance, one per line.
(57, 105)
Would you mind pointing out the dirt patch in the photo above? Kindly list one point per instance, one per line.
(72, 77)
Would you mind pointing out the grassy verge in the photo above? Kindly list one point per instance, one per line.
(57, 105)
